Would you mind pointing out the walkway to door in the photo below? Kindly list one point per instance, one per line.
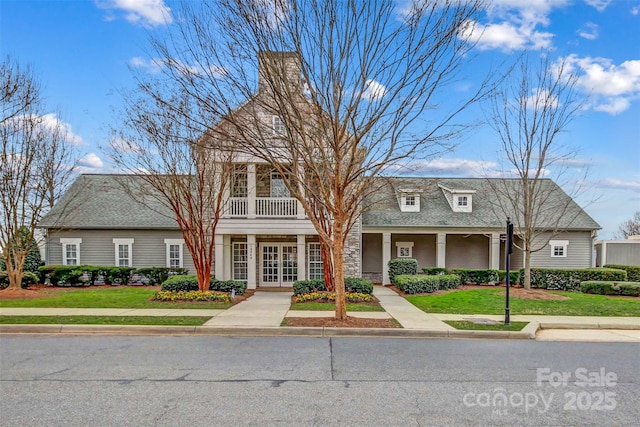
(262, 309)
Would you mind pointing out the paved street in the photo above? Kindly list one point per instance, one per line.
(205, 381)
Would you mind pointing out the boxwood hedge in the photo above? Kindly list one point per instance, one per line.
(611, 288)
(351, 284)
(633, 271)
(570, 279)
(400, 266)
(423, 283)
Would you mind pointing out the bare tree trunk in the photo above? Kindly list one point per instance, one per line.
(15, 263)
(327, 265)
(338, 263)
(527, 268)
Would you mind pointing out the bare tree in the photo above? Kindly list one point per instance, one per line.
(354, 84)
(528, 114)
(36, 165)
(630, 227)
(158, 140)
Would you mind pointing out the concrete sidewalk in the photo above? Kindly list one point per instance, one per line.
(263, 313)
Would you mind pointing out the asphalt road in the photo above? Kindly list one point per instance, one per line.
(228, 381)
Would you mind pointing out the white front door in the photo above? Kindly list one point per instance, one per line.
(279, 264)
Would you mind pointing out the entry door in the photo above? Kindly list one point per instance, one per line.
(279, 264)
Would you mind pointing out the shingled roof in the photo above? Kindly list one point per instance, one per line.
(103, 202)
(383, 209)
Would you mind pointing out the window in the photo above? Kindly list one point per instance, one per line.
(463, 201)
(278, 187)
(240, 261)
(174, 252)
(239, 181)
(410, 201)
(559, 248)
(70, 251)
(278, 126)
(405, 249)
(124, 250)
(314, 258)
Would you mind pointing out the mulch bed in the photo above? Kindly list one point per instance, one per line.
(349, 322)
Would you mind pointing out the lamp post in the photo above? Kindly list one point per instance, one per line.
(508, 251)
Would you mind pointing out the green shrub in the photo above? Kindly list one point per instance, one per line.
(228, 286)
(28, 279)
(633, 271)
(514, 276)
(181, 282)
(63, 275)
(157, 275)
(174, 296)
(308, 286)
(434, 271)
(422, 283)
(476, 276)
(569, 279)
(611, 288)
(358, 285)
(352, 297)
(402, 266)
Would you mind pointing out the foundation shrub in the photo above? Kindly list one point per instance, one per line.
(402, 266)
(633, 271)
(477, 276)
(570, 279)
(227, 286)
(611, 288)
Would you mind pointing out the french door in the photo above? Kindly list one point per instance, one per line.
(279, 264)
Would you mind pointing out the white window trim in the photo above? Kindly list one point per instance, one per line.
(64, 241)
(314, 263)
(457, 200)
(241, 263)
(118, 242)
(276, 130)
(559, 243)
(168, 243)
(405, 206)
(463, 201)
(404, 245)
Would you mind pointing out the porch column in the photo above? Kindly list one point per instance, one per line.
(494, 251)
(218, 257)
(226, 240)
(252, 282)
(386, 257)
(441, 250)
(251, 190)
(302, 257)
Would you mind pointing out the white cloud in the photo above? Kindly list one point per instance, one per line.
(152, 66)
(53, 123)
(91, 160)
(148, 13)
(123, 146)
(612, 87)
(599, 5)
(619, 184)
(374, 91)
(443, 167)
(635, 10)
(589, 31)
(540, 99)
(155, 66)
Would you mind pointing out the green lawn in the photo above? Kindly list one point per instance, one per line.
(106, 320)
(489, 301)
(329, 306)
(115, 297)
(470, 326)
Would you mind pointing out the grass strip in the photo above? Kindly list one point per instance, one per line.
(105, 320)
(471, 326)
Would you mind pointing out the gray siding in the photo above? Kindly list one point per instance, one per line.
(579, 251)
(467, 251)
(623, 253)
(97, 247)
(372, 253)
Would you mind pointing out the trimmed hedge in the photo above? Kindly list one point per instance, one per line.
(434, 271)
(82, 275)
(476, 276)
(611, 288)
(514, 276)
(422, 283)
(633, 271)
(351, 284)
(227, 286)
(157, 275)
(358, 285)
(189, 282)
(63, 275)
(308, 286)
(569, 280)
(402, 266)
(28, 279)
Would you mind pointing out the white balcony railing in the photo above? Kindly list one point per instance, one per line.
(265, 207)
(276, 207)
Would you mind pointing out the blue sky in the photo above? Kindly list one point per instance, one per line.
(82, 52)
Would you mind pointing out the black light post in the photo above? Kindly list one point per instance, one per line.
(508, 251)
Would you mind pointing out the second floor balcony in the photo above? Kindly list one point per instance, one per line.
(262, 207)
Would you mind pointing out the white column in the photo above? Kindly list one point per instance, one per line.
(494, 251)
(251, 261)
(218, 257)
(251, 190)
(386, 257)
(441, 250)
(226, 242)
(302, 257)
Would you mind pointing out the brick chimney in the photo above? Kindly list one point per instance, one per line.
(284, 66)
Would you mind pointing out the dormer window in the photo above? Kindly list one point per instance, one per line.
(278, 126)
(460, 200)
(409, 201)
(463, 201)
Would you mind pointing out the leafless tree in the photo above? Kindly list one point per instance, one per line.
(630, 227)
(36, 165)
(528, 114)
(158, 139)
(354, 83)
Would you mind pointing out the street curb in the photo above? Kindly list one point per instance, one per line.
(561, 325)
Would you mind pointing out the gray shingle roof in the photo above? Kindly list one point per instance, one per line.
(102, 201)
(435, 212)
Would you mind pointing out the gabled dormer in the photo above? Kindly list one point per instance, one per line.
(409, 200)
(460, 200)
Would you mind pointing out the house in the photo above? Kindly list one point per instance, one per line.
(619, 252)
(265, 239)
